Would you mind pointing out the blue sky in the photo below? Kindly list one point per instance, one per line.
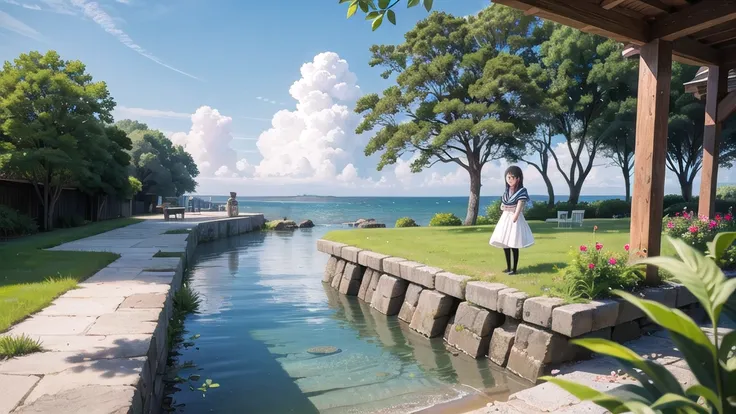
(234, 62)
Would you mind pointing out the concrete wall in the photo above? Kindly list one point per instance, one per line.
(527, 335)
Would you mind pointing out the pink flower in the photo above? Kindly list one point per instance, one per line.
(583, 248)
(718, 217)
(693, 229)
(598, 246)
(712, 224)
(591, 266)
(612, 261)
(670, 225)
(595, 228)
(627, 247)
(677, 214)
(728, 217)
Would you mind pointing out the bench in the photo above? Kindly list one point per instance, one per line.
(168, 211)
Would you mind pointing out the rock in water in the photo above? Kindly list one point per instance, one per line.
(323, 350)
(370, 225)
(285, 225)
(306, 224)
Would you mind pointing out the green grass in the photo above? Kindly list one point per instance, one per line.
(32, 277)
(168, 254)
(465, 250)
(178, 231)
(15, 346)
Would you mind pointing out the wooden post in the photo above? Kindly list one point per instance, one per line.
(652, 112)
(716, 89)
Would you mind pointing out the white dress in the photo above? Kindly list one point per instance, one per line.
(508, 234)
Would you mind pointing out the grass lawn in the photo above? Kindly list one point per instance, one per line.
(32, 277)
(465, 250)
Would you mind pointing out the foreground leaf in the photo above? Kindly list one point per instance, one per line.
(584, 392)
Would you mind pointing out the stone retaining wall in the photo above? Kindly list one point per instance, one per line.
(527, 335)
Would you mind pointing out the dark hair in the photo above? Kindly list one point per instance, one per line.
(516, 172)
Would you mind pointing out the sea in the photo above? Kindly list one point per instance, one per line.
(336, 211)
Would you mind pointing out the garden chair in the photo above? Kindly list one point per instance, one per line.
(561, 218)
(577, 217)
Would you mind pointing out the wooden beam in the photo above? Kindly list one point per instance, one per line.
(584, 13)
(693, 19)
(717, 88)
(694, 52)
(726, 106)
(657, 4)
(652, 111)
(609, 4)
(531, 11)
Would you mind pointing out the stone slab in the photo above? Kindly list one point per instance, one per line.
(405, 268)
(538, 310)
(98, 347)
(350, 253)
(484, 294)
(574, 319)
(372, 287)
(116, 289)
(451, 284)
(141, 321)
(477, 320)
(371, 259)
(365, 282)
(684, 297)
(391, 266)
(626, 331)
(502, 340)
(604, 314)
(389, 295)
(627, 312)
(144, 301)
(339, 270)
(410, 302)
(432, 313)
(541, 345)
(423, 275)
(350, 283)
(511, 302)
(53, 325)
(665, 294)
(329, 269)
(82, 306)
(88, 400)
(468, 342)
(14, 389)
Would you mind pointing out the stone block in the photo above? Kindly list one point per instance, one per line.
(372, 287)
(89, 399)
(665, 294)
(538, 310)
(339, 270)
(15, 388)
(696, 312)
(524, 365)
(463, 339)
(410, 302)
(451, 284)
(484, 294)
(350, 283)
(626, 332)
(432, 313)
(371, 259)
(350, 253)
(579, 353)
(502, 340)
(684, 297)
(138, 321)
(406, 267)
(365, 282)
(627, 312)
(541, 345)
(232, 228)
(477, 320)
(330, 269)
(324, 246)
(573, 320)
(391, 266)
(423, 275)
(221, 229)
(144, 301)
(53, 325)
(511, 302)
(389, 295)
(604, 314)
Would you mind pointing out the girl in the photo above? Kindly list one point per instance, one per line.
(512, 232)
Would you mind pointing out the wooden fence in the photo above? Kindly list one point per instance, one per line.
(72, 204)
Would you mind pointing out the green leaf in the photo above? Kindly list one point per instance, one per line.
(364, 5)
(584, 392)
(214, 385)
(670, 401)
(372, 15)
(391, 17)
(727, 344)
(637, 407)
(352, 8)
(720, 244)
(382, 4)
(208, 381)
(698, 390)
(412, 3)
(196, 336)
(377, 22)
(344, 1)
(428, 4)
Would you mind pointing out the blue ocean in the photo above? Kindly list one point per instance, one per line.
(335, 211)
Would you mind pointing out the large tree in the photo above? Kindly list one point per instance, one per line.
(50, 116)
(535, 151)
(619, 140)
(460, 94)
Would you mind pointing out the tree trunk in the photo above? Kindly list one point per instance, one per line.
(686, 187)
(575, 193)
(474, 198)
(47, 222)
(550, 190)
(627, 184)
(100, 206)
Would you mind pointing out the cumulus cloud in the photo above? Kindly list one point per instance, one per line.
(208, 141)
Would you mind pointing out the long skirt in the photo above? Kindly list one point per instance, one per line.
(511, 235)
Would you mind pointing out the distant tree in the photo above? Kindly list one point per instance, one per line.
(619, 139)
(459, 96)
(50, 116)
(535, 151)
(129, 125)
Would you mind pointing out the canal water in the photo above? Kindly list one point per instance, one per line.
(264, 306)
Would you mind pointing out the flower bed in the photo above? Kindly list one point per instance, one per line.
(698, 231)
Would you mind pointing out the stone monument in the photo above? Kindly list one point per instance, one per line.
(232, 205)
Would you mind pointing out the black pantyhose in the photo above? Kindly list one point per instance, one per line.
(507, 252)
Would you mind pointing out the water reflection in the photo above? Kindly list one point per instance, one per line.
(264, 307)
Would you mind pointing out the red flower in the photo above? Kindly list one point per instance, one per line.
(591, 266)
(677, 214)
(718, 217)
(693, 229)
(612, 261)
(627, 247)
(712, 224)
(583, 248)
(670, 225)
(728, 217)
(598, 246)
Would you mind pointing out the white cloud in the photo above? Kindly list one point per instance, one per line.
(150, 113)
(262, 99)
(94, 12)
(208, 141)
(8, 22)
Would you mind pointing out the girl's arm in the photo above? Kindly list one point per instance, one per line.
(519, 209)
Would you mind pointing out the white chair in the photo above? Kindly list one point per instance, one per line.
(561, 218)
(577, 217)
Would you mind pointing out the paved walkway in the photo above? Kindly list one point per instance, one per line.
(98, 337)
(596, 373)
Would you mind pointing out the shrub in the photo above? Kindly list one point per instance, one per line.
(445, 219)
(671, 199)
(540, 211)
(726, 192)
(611, 208)
(594, 272)
(13, 223)
(713, 363)
(493, 212)
(15, 346)
(483, 221)
(699, 231)
(406, 222)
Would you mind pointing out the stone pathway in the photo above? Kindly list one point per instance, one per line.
(104, 341)
(596, 373)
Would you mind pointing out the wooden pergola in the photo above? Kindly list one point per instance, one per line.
(695, 32)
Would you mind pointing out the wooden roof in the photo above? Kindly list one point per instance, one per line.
(703, 32)
(697, 86)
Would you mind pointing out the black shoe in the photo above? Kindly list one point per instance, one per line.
(507, 271)
(511, 272)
